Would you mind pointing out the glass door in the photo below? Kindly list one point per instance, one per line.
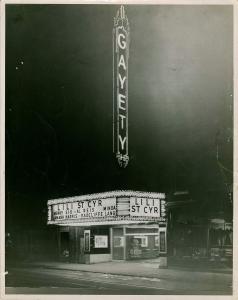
(118, 244)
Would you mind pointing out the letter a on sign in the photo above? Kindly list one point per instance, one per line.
(120, 87)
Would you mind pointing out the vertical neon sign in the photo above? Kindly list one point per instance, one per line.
(120, 87)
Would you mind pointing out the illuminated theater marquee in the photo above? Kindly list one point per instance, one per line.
(104, 207)
(98, 208)
(120, 87)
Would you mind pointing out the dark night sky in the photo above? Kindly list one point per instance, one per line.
(59, 100)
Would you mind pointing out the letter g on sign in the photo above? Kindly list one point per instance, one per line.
(121, 43)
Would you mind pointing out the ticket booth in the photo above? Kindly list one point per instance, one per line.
(139, 241)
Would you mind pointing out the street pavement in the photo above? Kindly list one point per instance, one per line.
(75, 282)
(116, 278)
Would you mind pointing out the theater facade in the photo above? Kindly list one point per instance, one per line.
(117, 225)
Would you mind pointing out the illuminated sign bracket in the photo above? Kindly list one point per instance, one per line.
(121, 39)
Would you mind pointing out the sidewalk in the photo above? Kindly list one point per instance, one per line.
(189, 280)
(142, 268)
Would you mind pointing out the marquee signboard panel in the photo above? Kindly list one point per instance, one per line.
(146, 207)
(98, 208)
(114, 208)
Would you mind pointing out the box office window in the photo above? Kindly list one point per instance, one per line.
(141, 246)
(143, 240)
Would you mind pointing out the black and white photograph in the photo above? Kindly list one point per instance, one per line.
(118, 149)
